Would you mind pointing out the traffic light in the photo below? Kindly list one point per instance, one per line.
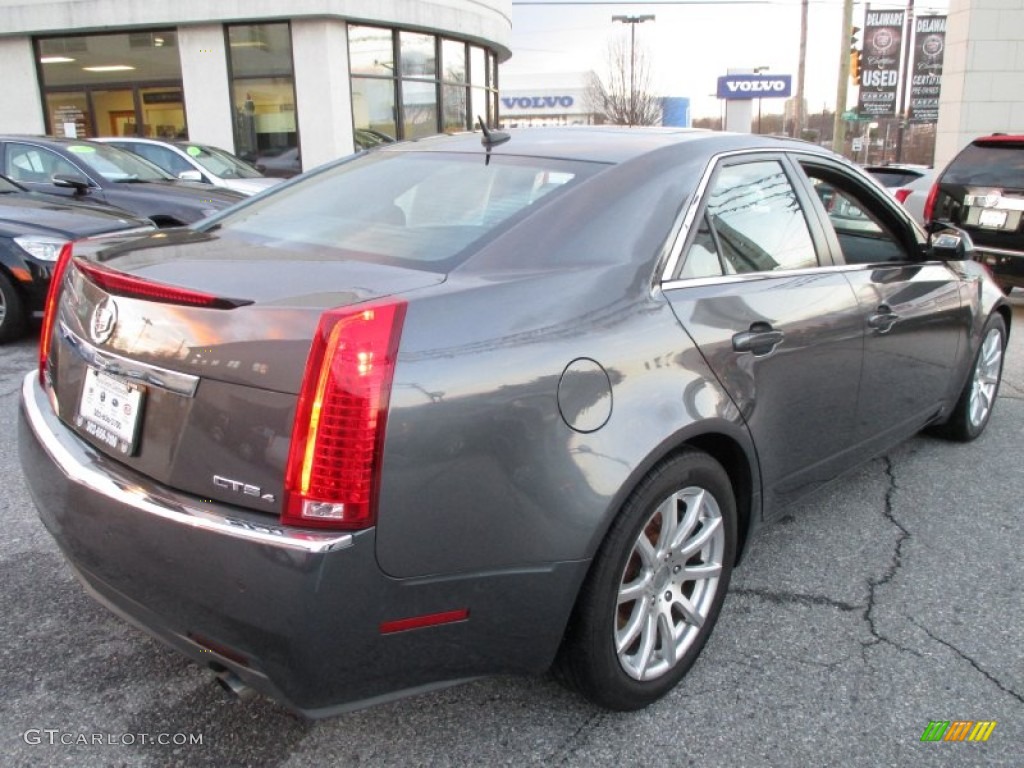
(855, 55)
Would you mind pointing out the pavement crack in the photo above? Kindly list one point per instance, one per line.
(782, 598)
(575, 740)
(987, 675)
(895, 563)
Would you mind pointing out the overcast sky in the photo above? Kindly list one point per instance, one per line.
(692, 43)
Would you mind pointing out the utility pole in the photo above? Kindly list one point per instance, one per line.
(798, 113)
(903, 117)
(632, 21)
(758, 71)
(838, 124)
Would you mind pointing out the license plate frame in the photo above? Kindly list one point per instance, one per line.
(992, 218)
(110, 410)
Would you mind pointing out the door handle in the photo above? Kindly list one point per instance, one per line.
(761, 339)
(884, 319)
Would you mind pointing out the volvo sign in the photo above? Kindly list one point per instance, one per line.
(755, 86)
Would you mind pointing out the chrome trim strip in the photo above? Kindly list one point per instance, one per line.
(995, 201)
(184, 384)
(751, 277)
(310, 542)
(998, 251)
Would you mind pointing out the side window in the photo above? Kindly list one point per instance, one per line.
(35, 165)
(752, 222)
(164, 158)
(862, 235)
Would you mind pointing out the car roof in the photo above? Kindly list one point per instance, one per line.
(606, 144)
(51, 140)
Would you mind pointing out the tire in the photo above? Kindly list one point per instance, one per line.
(12, 311)
(974, 407)
(637, 593)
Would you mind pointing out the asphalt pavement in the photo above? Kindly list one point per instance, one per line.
(889, 601)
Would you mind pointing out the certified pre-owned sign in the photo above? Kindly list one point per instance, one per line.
(755, 86)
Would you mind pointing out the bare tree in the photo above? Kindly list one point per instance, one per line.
(623, 95)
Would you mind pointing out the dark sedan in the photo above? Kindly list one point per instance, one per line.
(33, 229)
(98, 173)
(445, 409)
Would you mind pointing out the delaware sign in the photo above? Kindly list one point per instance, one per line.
(755, 86)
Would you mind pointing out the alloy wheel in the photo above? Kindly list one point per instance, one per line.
(986, 377)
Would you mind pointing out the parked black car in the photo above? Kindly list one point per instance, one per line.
(982, 191)
(33, 229)
(98, 173)
(444, 410)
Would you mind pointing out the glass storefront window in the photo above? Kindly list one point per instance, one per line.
(453, 59)
(478, 104)
(419, 109)
(260, 50)
(453, 99)
(418, 54)
(373, 105)
(68, 114)
(127, 57)
(264, 115)
(477, 66)
(371, 51)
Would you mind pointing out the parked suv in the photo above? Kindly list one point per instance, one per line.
(982, 191)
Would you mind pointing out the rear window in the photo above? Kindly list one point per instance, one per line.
(425, 210)
(894, 177)
(988, 165)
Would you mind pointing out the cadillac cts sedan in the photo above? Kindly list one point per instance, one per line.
(461, 407)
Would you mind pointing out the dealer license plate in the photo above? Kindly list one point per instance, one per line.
(109, 410)
(992, 219)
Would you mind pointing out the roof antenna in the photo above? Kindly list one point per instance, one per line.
(491, 138)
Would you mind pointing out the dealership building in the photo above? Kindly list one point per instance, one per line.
(259, 77)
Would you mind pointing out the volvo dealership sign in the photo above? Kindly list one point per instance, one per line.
(755, 86)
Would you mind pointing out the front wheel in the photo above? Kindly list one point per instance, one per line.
(974, 408)
(12, 312)
(656, 586)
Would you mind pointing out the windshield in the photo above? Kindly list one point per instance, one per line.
(991, 165)
(408, 208)
(221, 164)
(114, 164)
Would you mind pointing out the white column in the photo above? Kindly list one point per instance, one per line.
(982, 74)
(322, 90)
(739, 113)
(204, 73)
(23, 103)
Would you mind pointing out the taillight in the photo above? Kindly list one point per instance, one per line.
(132, 286)
(929, 204)
(902, 195)
(50, 311)
(334, 462)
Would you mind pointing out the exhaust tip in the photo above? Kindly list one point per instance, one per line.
(234, 685)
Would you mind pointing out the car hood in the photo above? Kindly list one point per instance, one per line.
(23, 213)
(183, 191)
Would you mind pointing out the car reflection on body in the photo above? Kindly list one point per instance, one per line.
(516, 405)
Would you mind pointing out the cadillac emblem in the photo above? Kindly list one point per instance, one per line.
(104, 317)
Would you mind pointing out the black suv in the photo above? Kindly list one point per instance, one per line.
(982, 191)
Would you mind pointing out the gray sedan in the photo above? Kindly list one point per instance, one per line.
(467, 406)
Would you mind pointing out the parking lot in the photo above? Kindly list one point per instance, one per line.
(888, 601)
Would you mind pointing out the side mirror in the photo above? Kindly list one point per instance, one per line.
(947, 242)
(71, 181)
(190, 176)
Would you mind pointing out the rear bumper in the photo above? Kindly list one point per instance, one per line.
(296, 614)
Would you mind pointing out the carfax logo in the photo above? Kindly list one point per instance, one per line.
(958, 730)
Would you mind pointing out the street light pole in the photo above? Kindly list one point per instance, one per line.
(632, 21)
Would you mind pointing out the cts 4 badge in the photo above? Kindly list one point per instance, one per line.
(103, 320)
(244, 488)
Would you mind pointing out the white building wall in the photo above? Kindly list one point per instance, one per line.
(23, 109)
(322, 90)
(983, 74)
(204, 76)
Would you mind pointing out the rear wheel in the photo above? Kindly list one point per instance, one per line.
(974, 408)
(12, 311)
(656, 586)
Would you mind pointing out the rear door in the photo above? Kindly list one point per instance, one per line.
(911, 311)
(778, 324)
